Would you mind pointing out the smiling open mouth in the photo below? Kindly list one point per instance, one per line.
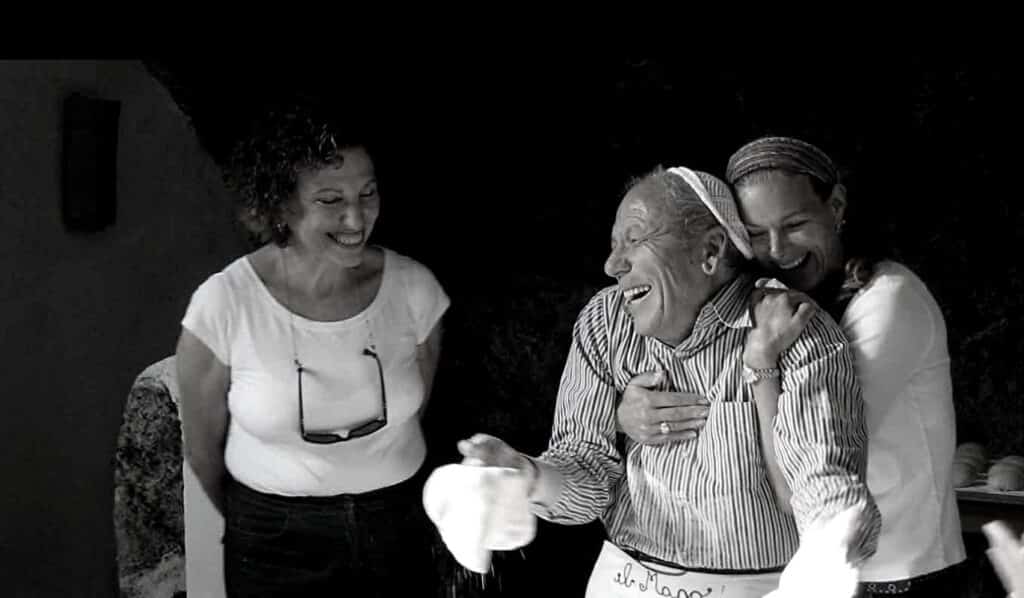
(347, 239)
(637, 293)
(794, 264)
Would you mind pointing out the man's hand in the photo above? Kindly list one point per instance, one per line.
(655, 417)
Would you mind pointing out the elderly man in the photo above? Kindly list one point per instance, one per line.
(697, 517)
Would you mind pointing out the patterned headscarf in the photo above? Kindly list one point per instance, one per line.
(786, 153)
(715, 194)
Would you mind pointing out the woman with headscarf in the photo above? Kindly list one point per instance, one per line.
(793, 203)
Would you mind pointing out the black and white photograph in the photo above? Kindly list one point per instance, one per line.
(446, 323)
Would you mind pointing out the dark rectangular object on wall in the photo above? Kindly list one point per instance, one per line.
(89, 163)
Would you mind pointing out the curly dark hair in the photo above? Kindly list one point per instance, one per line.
(263, 167)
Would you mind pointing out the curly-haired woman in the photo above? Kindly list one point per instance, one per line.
(304, 368)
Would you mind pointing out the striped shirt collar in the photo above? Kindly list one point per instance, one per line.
(728, 307)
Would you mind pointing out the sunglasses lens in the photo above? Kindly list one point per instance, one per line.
(367, 428)
(316, 438)
(363, 430)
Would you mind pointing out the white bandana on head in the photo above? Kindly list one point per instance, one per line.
(715, 194)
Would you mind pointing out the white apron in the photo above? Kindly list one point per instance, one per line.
(618, 575)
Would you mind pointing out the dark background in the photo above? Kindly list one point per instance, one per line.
(502, 173)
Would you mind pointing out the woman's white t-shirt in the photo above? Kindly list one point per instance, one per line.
(235, 315)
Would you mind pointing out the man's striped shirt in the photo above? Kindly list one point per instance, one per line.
(708, 503)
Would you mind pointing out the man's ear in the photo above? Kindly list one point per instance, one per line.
(715, 243)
